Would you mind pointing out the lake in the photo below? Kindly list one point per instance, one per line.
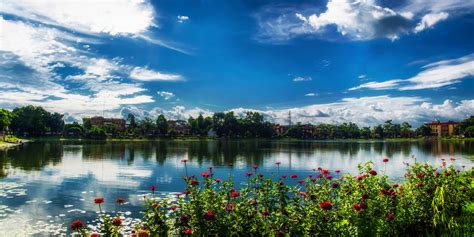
(46, 185)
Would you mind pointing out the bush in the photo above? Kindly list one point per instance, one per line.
(431, 200)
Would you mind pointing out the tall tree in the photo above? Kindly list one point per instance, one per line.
(162, 125)
(5, 119)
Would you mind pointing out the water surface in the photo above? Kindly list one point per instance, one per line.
(46, 185)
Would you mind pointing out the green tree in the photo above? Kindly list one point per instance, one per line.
(55, 123)
(5, 119)
(147, 127)
(162, 125)
(405, 130)
(424, 131)
(30, 119)
(132, 124)
(86, 124)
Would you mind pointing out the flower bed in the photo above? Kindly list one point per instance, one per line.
(431, 200)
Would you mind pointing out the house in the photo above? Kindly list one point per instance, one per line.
(100, 122)
(180, 127)
(442, 129)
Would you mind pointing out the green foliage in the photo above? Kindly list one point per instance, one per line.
(466, 127)
(162, 125)
(96, 133)
(5, 119)
(423, 131)
(36, 121)
(431, 201)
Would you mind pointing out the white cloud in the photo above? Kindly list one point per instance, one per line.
(311, 94)
(299, 79)
(166, 94)
(362, 77)
(429, 20)
(118, 17)
(182, 19)
(144, 74)
(433, 75)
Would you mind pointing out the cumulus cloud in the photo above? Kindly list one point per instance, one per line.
(434, 75)
(166, 94)
(300, 79)
(118, 17)
(145, 74)
(351, 19)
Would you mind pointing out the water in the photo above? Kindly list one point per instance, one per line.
(46, 185)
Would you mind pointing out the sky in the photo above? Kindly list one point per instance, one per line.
(329, 61)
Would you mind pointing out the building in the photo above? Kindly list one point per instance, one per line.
(100, 122)
(442, 129)
(180, 127)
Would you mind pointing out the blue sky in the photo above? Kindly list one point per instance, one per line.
(325, 61)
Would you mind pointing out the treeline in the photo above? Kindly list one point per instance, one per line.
(35, 121)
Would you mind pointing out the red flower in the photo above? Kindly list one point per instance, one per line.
(300, 181)
(76, 225)
(395, 185)
(120, 201)
(357, 206)
(390, 217)
(217, 180)
(373, 172)
(94, 235)
(294, 176)
(359, 177)
(325, 205)
(329, 177)
(363, 205)
(452, 159)
(184, 161)
(230, 207)
(420, 185)
(117, 221)
(153, 188)
(385, 160)
(422, 175)
(325, 172)
(337, 171)
(277, 163)
(187, 231)
(248, 174)
(173, 207)
(255, 167)
(447, 174)
(313, 180)
(209, 215)
(185, 192)
(234, 194)
(98, 200)
(205, 174)
(194, 182)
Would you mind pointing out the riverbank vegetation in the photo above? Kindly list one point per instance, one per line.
(430, 201)
(35, 121)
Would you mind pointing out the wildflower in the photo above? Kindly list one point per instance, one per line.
(284, 176)
(188, 231)
(98, 200)
(356, 206)
(234, 194)
(210, 168)
(325, 172)
(255, 167)
(337, 171)
(422, 175)
(185, 192)
(248, 174)
(313, 180)
(363, 205)
(205, 174)
(359, 177)
(217, 180)
(325, 205)
(153, 188)
(294, 176)
(117, 221)
(385, 160)
(300, 181)
(452, 159)
(194, 182)
(120, 201)
(390, 217)
(373, 172)
(329, 177)
(335, 185)
(173, 207)
(420, 185)
(184, 218)
(95, 234)
(76, 225)
(178, 194)
(447, 174)
(365, 196)
(209, 215)
(184, 161)
(230, 207)
(277, 163)
(395, 185)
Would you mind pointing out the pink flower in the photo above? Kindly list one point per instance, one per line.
(255, 167)
(329, 177)
(248, 174)
(337, 171)
(210, 167)
(294, 176)
(300, 181)
(385, 160)
(390, 217)
(217, 180)
(335, 185)
(184, 161)
(452, 159)
(277, 163)
(284, 176)
(373, 172)
(209, 215)
(152, 188)
(234, 194)
(325, 171)
(230, 207)
(188, 231)
(205, 174)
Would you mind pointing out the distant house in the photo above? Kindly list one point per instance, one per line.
(442, 129)
(280, 129)
(180, 127)
(100, 122)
